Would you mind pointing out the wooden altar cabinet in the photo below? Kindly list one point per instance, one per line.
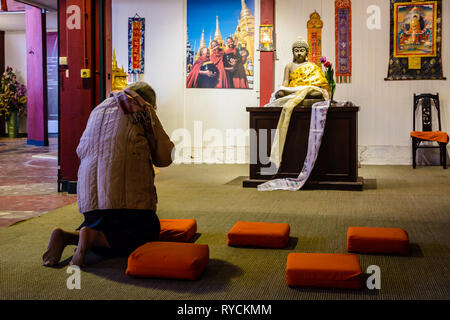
(336, 165)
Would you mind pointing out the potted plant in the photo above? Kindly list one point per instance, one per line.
(13, 100)
(329, 74)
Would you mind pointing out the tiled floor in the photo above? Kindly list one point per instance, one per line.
(28, 180)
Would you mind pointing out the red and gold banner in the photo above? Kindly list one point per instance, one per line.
(343, 30)
(315, 26)
(136, 37)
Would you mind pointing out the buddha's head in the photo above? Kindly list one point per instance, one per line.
(300, 49)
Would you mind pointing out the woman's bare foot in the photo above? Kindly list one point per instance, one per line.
(59, 239)
(88, 238)
(78, 258)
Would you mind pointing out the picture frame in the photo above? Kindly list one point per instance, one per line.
(266, 37)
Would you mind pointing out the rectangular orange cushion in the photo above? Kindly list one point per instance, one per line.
(174, 260)
(328, 270)
(377, 240)
(178, 230)
(259, 234)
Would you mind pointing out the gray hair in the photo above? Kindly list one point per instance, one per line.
(145, 91)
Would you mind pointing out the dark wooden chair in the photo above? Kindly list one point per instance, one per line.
(427, 123)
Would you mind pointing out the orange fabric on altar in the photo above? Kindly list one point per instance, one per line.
(438, 136)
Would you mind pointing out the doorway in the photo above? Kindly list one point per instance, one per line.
(52, 82)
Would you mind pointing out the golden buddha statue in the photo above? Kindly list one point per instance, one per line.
(302, 80)
(301, 72)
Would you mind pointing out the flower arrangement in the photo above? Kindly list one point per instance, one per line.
(329, 75)
(13, 97)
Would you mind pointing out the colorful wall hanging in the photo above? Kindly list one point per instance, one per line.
(315, 26)
(415, 42)
(266, 37)
(343, 31)
(136, 48)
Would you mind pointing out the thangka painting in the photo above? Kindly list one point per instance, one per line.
(136, 48)
(415, 49)
(220, 44)
(266, 37)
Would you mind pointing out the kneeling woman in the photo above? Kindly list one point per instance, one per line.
(115, 189)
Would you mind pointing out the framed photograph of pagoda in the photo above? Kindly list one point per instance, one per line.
(220, 44)
(415, 40)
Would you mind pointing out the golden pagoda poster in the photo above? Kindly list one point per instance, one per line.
(220, 44)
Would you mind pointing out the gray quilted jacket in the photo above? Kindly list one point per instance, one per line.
(122, 139)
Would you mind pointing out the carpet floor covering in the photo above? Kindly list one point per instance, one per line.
(393, 196)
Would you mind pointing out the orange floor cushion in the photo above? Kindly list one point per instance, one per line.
(259, 234)
(178, 230)
(327, 270)
(377, 240)
(174, 260)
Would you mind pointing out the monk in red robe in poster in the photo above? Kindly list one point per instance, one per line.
(217, 56)
(204, 73)
(236, 76)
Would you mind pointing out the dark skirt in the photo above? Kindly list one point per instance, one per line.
(125, 229)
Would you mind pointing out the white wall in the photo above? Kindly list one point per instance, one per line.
(165, 46)
(16, 58)
(385, 117)
(16, 53)
(15, 47)
(12, 21)
(386, 107)
(163, 51)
